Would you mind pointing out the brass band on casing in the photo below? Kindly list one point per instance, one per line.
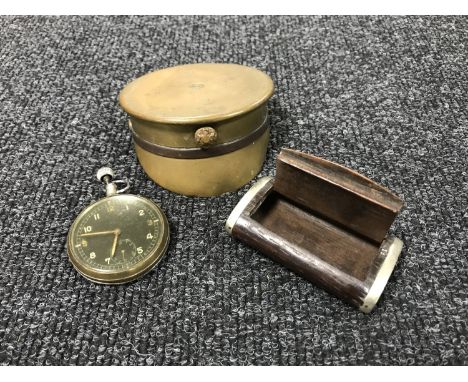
(206, 176)
(203, 171)
(200, 152)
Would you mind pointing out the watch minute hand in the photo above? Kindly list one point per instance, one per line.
(98, 233)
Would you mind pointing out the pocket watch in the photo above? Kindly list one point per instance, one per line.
(118, 238)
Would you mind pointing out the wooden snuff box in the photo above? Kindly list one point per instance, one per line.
(325, 222)
(200, 129)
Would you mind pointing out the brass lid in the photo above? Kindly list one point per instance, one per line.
(196, 93)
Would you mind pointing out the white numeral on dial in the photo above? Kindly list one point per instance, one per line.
(87, 228)
(107, 260)
(141, 213)
(96, 217)
(149, 236)
(140, 250)
(92, 255)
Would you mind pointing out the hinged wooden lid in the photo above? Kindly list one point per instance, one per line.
(196, 93)
(337, 193)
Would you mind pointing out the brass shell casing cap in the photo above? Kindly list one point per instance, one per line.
(200, 129)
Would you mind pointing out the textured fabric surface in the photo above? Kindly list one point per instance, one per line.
(386, 96)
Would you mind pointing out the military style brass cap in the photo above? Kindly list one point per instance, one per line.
(200, 129)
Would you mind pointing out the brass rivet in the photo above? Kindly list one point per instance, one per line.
(205, 136)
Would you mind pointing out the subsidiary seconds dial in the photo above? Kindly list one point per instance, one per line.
(118, 238)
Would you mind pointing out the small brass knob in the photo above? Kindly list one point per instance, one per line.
(205, 136)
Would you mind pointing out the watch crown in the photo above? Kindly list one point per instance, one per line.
(105, 171)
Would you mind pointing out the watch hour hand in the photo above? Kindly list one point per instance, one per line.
(114, 244)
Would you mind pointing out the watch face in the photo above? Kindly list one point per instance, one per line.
(118, 238)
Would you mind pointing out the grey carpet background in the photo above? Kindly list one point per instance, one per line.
(386, 96)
